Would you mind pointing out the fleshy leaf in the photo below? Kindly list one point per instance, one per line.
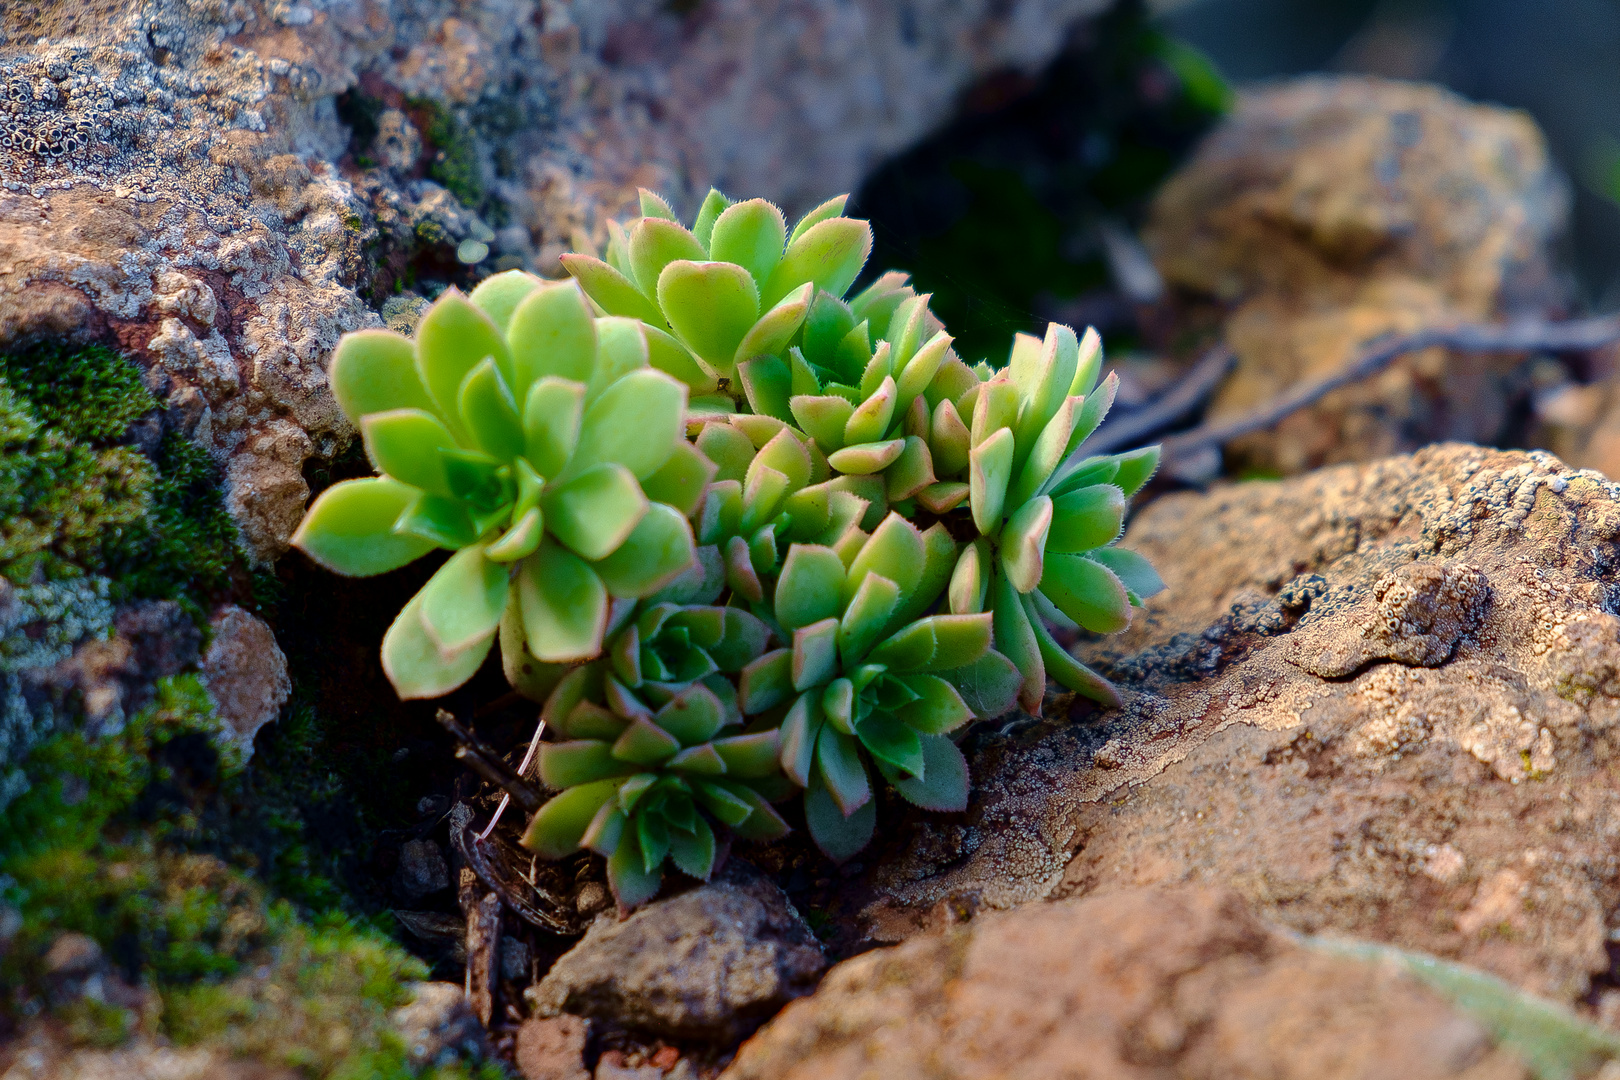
(375, 371)
(751, 234)
(989, 470)
(989, 686)
(463, 601)
(765, 682)
(800, 728)
(596, 511)
(941, 499)
(970, 580)
(749, 756)
(452, 339)
(838, 762)
(829, 254)
(490, 414)
(896, 550)
(944, 783)
(668, 355)
(611, 290)
(560, 824)
(948, 440)
(838, 836)
(912, 472)
(832, 208)
(810, 587)
(1136, 469)
(870, 421)
(693, 851)
(645, 743)
(405, 444)
(551, 417)
(682, 480)
(553, 332)
(866, 616)
(711, 307)
(1087, 592)
(632, 883)
(415, 664)
(578, 761)
(815, 654)
(1023, 543)
(564, 605)
(654, 244)
(634, 423)
(1135, 571)
(499, 295)
(621, 348)
(863, 459)
(776, 327)
(1091, 517)
(939, 708)
(823, 418)
(657, 551)
(1015, 639)
(692, 716)
(767, 381)
(349, 528)
(1064, 668)
(729, 449)
(708, 213)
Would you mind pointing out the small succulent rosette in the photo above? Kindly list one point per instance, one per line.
(639, 785)
(734, 286)
(870, 680)
(534, 441)
(1046, 524)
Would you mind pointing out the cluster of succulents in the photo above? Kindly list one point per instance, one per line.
(749, 541)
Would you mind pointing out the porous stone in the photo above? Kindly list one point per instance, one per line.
(438, 1026)
(1326, 211)
(1182, 983)
(1381, 700)
(246, 675)
(224, 187)
(553, 1048)
(710, 963)
(422, 869)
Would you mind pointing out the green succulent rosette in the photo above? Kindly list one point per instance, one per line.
(667, 646)
(869, 680)
(640, 786)
(1046, 524)
(735, 285)
(534, 441)
(761, 500)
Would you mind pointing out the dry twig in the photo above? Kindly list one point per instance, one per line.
(1188, 393)
(1528, 335)
(489, 764)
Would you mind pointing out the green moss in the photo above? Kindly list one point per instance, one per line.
(98, 846)
(72, 504)
(185, 546)
(454, 163)
(89, 394)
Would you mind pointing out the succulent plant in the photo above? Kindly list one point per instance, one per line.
(531, 439)
(734, 286)
(1046, 524)
(869, 678)
(638, 785)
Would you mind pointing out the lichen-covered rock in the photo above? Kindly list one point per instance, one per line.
(709, 964)
(552, 1048)
(1381, 699)
(224, 187)
(1185, 983)
(246, 675)
(1329, 210)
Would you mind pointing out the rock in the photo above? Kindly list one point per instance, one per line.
(422, 869)
(438, 1026)
(553, 1048)
(223, 188)
(1184, 983)
(611, 1070)
(246, 675)
(115, 676)
(1329, 210)
(41, 1054)
(709, 964)
(1381, 700)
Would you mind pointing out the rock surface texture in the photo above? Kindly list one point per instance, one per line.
(707, 964)
(1328, 211)
(246, 674)
(1185, 983)
(1381, 700)
(226, 186)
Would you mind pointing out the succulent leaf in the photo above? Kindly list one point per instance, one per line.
(375, 371)
(350, 528)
